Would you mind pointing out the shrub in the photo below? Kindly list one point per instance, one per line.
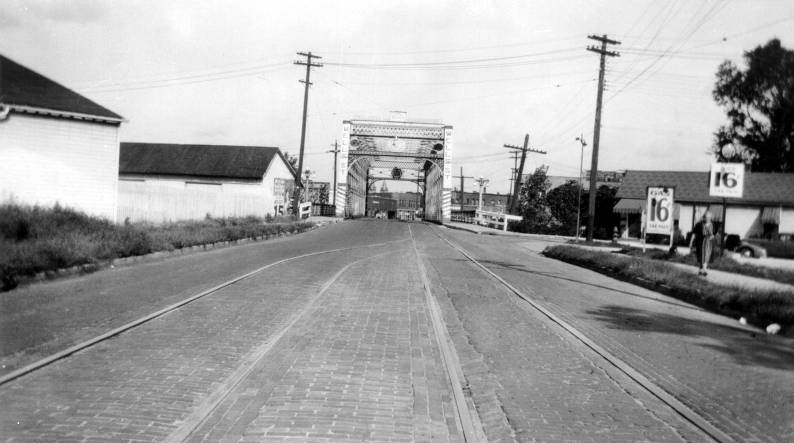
(36, 239)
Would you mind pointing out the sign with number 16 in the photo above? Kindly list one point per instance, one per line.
(659, 210)
(726, 180)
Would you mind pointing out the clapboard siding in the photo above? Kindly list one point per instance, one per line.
(158, 199)
(44, 160)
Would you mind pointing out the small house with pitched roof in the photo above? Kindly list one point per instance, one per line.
(56, 146)
(765, 209)
(161, 182)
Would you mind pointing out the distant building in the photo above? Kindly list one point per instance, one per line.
(766, 209)
(166, 182)
(399, 205)
(490, 201)
(56, 146)
(603, 178)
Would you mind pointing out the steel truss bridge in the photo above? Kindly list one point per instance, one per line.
(373, 150)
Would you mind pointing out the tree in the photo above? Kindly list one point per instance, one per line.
(323, 194)
(292, 160)
(759, 102)
(562, 206)
(532, 199)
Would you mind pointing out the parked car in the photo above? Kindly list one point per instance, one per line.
(746, 248)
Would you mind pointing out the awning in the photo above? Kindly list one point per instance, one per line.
(629, 206)
(771, 215)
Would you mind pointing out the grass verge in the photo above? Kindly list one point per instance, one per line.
(35, 239)
(723, 263)
(759, 307)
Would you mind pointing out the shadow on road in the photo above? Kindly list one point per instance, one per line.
(746, 348)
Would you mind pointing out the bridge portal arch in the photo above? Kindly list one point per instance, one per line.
(373, 150)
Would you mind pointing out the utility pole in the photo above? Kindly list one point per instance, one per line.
(597, 129)
(461, 177)
(580, 139)
(306, 83)
(520, 173)
(336, 152)
(481, 182)
(514, 155)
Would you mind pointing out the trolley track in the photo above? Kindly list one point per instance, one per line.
(677, 406)
(86, 344)
(206, 408)
(468, 420)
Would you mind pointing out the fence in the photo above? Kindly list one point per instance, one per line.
(323, 210)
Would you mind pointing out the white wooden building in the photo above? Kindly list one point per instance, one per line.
(56, 146)
(161, 182)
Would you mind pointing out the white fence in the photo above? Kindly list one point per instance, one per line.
(495, 218)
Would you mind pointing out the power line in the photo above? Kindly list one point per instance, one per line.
(186, 79)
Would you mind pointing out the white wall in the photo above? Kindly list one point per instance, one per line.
(44, 160)
(685, 218)
(166, 199)
(786, 225)
(163, 199)
(744, 221)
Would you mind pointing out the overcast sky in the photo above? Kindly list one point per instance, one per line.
(222, 72)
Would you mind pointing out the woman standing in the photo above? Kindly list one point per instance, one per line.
(703, 239)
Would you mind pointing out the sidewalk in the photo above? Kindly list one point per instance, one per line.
(744, 281)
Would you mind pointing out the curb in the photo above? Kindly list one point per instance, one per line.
(89, 268)
(552, 238)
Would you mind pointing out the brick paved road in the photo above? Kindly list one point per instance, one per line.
(317, 351)
(42, 319)
(551, 388)
(362, 365)
(741, 381)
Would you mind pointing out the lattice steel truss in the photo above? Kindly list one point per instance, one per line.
(371, 150)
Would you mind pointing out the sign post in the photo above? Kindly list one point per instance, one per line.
(659, 211)
(726, 180)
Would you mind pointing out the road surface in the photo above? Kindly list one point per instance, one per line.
(383, 331)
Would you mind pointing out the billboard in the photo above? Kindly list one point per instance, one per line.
(726, 180)
(659, 210)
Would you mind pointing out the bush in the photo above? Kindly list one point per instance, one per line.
(36, 239)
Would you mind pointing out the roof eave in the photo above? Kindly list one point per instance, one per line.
(65, 114)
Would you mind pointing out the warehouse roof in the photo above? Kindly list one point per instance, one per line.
(27, 91)
(238, 162)
(763, 188)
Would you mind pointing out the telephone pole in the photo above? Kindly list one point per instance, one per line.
(461, 177)
(514, 155)
(581, 141)
(336, 152)
(481, 182)
(306, 83)
(520, 173)
(597, 129)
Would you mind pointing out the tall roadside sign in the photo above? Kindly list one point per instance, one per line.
(659, 212)
(726, 180)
